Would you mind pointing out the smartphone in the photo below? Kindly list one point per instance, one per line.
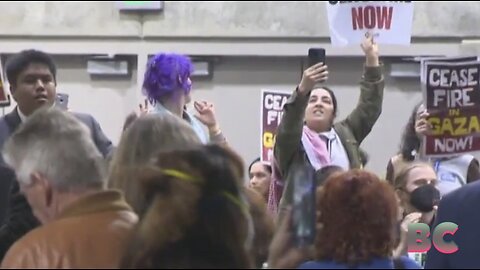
(315, 56)
(62, 101)
(304, 205)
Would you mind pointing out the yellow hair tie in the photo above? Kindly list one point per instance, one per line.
(236, 201)
(180, 175)
(184, 176)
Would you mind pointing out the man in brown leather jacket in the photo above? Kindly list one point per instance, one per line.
(62, 174)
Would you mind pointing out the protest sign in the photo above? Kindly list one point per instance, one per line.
(459, 59)
(452, 98)
(4, 100)
(390, 22)
(271, 112)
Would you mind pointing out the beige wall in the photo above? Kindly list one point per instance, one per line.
(235, 90)
(292, 19)
(109, 100)
(236, 87)
(259, 44)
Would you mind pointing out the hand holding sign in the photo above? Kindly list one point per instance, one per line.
(390, 21)
(451, 95)
(312, 75)
(422, 126)
(370, 48)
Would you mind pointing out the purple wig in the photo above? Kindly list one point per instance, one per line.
(166, 74)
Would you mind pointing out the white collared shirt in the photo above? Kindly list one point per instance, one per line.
(22, 116)
(194, 123)
(338, 155)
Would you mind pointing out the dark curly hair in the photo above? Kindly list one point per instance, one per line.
(357, 219)
(410, 140)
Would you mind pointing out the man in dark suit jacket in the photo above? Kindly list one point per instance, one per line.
(461, 208)
(32, 78)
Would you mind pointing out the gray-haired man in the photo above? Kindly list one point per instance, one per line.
(33, 79)
(62, 174)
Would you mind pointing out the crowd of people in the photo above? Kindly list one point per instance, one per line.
(172, 193)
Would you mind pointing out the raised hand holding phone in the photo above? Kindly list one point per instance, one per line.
(311, 76)
(315, 56)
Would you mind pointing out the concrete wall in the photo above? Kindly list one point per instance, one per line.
(236, 86)
(235, 90)
(218, 28)
(260, 44)
(108, 99)
(66, 19)
(215, 19)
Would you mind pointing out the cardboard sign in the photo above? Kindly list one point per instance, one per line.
(452, 98)
(4, 100)
(271, 112)
(389, 22)
(459, 59)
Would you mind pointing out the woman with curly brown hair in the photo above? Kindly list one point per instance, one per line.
(358, 215)
(197, 214)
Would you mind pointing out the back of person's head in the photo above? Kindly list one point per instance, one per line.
(197, 215)
(19, 62)
(167, 73)
(358, 213)
(263, 225)
(325, 172)
(140, 143)
(129, 120)
(410, 142)
(58, 146)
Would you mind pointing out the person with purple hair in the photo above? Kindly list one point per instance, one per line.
(167, 86)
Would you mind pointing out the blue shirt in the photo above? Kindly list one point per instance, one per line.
(194, 123)
(384, 263)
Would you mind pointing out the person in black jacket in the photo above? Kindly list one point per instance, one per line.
(460, 208)
(32, 78)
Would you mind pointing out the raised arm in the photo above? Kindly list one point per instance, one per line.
(206, 115)
(369, 107)
(289, 132)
